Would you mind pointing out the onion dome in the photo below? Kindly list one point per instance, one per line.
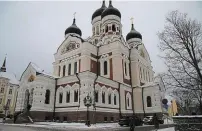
(99, 11)
(133, 34)
(111, 11)
(73, 29)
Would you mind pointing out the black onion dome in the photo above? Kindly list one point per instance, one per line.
(73, 29)
(99, 11)
(133, 34)
(111, 11)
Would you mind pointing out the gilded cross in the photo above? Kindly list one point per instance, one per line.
(132, 20)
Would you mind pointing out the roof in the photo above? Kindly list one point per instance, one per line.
(40, 71)
(10, 76)
(149, 84)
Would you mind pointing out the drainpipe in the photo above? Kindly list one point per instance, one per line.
(131, 81)
(120, 115)
(56, 79)
(79, 93)
(94, 106)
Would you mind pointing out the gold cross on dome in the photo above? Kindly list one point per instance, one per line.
(74, 14)
(132, 19)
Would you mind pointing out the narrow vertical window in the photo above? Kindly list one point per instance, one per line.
(96, 41)
(47, 97)
(114, 99)
(60, 97)
(125, 69)
(10, 91)
(106, 29)
(113, 28)
(128, 101)
(0, 100)
(69, 69)
(75, 67)
(59, 71)
(64, 68)
(149, 103)
(109, 98)
(96, 96)
(75, 96)
(103, 97)
(105, 68)
(68, 97)
(97, 30)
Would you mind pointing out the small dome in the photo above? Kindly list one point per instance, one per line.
(111, 11)
(73, 29)
(99, 11)
(133, 34)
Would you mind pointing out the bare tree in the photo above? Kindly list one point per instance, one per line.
(181, 44)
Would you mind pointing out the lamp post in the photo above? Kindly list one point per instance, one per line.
(87, 102)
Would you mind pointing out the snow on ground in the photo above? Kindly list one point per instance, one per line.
(167, 129)
(54, 125)
(168, 121)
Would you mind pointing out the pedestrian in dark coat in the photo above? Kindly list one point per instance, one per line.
(156, 122)
(132, 124)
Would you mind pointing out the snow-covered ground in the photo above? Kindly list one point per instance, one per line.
(167, 129)
(168, 121)
(53, 125)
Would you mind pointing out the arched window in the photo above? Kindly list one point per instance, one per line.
(100, 27)
(93, 30)
(103, 97)
(109, 98)
(64, 68)
(96, 41)
(60, 97)
(114, 99)
(140, 72)
(97, 30)
(125, 69)
(69, 69)
(149, 102)
(68, 97)
(75, 67)
(105, 68)
(59, 71)
(75, 96)
(47, 97)
(128, 102)
(106, 29)
(96, 96)
(113, 28)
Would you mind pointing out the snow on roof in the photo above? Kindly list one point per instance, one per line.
(39, 70)
(10, 76)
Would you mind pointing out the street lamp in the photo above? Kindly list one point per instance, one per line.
(87, 102)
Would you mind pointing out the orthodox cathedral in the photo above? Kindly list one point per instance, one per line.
(115, 72)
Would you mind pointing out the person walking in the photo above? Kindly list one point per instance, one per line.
(156, 122)
(132, 123)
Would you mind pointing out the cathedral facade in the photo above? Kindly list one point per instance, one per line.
(115, 72)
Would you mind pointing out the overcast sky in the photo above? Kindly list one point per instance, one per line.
(32, 31)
